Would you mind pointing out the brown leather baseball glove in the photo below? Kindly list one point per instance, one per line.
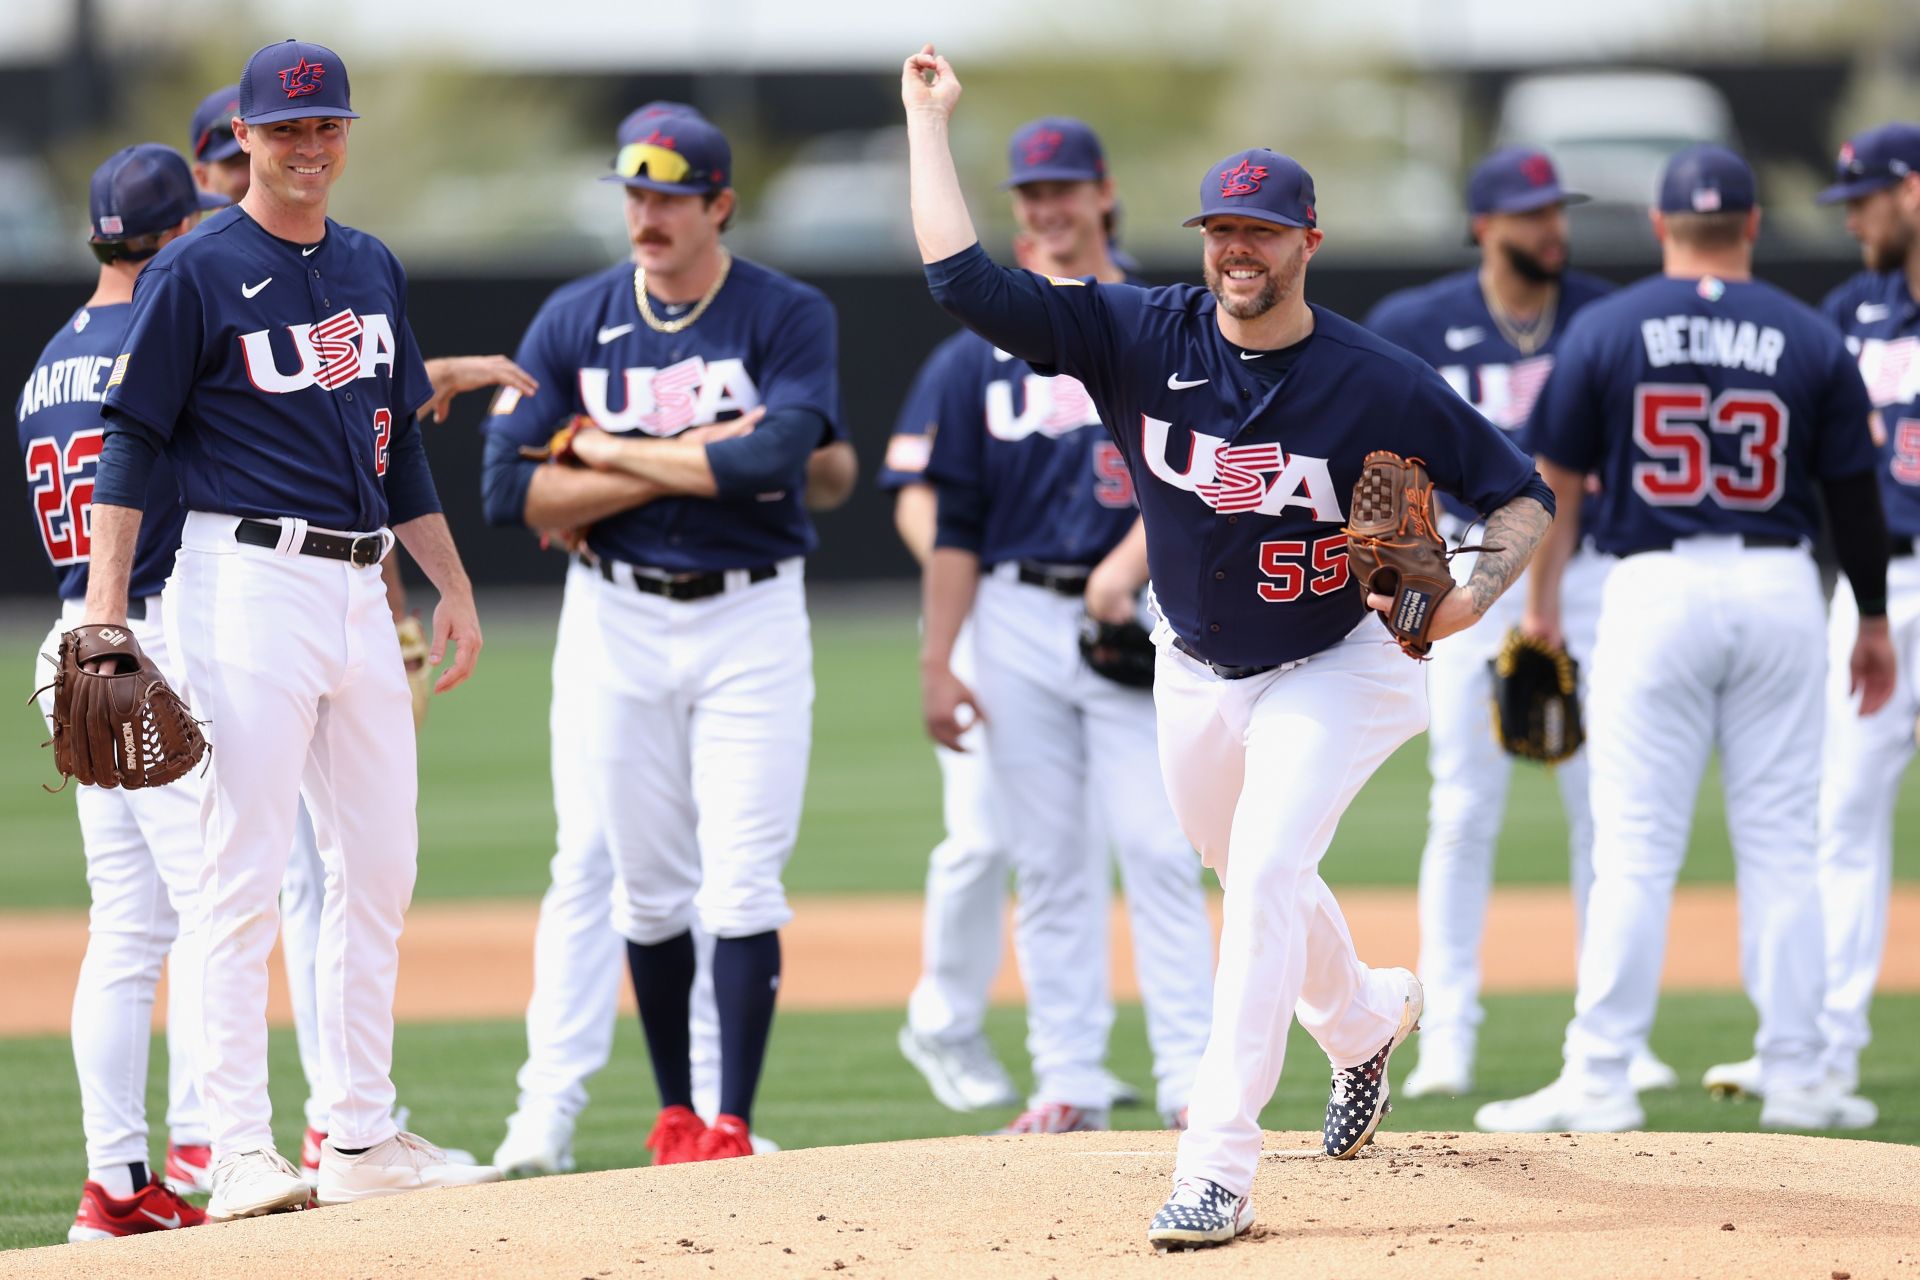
(1394, 547)
(121, 727)
(559, 445)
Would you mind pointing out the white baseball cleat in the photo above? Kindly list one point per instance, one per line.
(1820, 1106)
(1647, 1073)
(534, 1144)
(404, 1162)
(1564, 1105)
(249, 1183)
(1734, 1080)
(963, 1074)
(1444, 1068)
(762, 1146)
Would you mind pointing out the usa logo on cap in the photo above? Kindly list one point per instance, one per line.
(1243, 179)
(302, 78)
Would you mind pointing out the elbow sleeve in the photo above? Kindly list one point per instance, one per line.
(505, 477)
(1860, 538)
(127, 456)
(961, 518)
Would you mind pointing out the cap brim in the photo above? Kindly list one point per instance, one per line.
(211, 200)
(1528, 201)
(1841, 191)
(225, 151)
(1259, 215)
(1050, 175)
(298, 113)
(655, 184)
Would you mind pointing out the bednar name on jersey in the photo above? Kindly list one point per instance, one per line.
(1705, 407)
(60, 434)
(1881, 321)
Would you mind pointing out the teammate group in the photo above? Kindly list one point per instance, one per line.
(223, 447)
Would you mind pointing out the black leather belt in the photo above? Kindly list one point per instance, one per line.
(1752, 541)
(137, 608)
(1221, 669)
(1900, 545)
(363, 550)
(1062, 581)
(681, 586)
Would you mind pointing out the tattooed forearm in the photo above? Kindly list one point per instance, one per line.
(1513, 532)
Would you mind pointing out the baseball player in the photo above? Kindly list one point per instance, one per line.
(142, 846)
(1717, 412)
(1036, 529)
(1490, 332)
(1244, 417)
(268, 358)
(1878, 179)
(683, 683)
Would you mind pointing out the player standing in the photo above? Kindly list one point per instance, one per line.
(1277, 693)
(288, 414)
(1491, 332)
(1709, 404)
(1878, 178)
(683, 669)
(142, 847)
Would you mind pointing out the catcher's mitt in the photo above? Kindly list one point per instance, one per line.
(1394, 548)
(124, 729)
(559, 445)
(1120, 651)
(1536, 699)
(413, 652)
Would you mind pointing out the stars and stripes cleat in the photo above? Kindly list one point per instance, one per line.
(1359, 1096)
(1199, 1214)
(676, 1136)
(189, 1167)
(1056, 1117)
(155, 1207)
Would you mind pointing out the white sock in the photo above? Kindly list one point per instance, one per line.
(115, 1179)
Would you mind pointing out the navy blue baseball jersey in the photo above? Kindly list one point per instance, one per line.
(58, 416)
(281, 379)
(1447, 324)
(767, 340)
(1244, 480)
(910, 448)
(1881, 322)
(1705, 407)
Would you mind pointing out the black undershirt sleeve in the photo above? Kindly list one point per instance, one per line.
(1860, 538)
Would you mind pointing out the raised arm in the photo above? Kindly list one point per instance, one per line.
(930, 90)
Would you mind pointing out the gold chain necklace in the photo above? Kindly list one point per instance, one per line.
(1526, 338)
(674, 326)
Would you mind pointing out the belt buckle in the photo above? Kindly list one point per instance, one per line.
(365, 550)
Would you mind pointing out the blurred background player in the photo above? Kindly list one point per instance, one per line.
(1491, 332)
(683, 667)
(1717, 412)
(1878, 179)
(1030, 488)
(142, 847)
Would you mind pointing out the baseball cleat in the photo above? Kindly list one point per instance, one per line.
(1820, 1106)
(1647, 1073)
(248, 1184)
(726, 1138)
(1444, 1069)
(1199, 1214)
(154, 1207)
(1359, 1095)
(963, 1074)
(676, 1135)
(534, 1144)
(1563, 1106)
(1734, 1080)
(1174, 1120)
(404, 1162)
(1119, 1092)
(762, 1146)
(189, 1167)
(1057, 1117)
(310, 1143)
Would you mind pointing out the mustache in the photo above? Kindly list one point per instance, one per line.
(651, 236)
(1235, 264)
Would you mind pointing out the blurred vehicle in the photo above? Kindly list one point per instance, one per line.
(841, 203)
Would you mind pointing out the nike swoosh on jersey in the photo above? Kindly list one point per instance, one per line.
(248, 290)
(1251, 355)
(1461, 339)
(169, 1223)
(1872, 312)
(1177, 383)
(308, 251)
(609, 334)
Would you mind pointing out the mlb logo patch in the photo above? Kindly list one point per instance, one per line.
(1710, 289)
(1706, 200)
(909, 454)
(119, 373)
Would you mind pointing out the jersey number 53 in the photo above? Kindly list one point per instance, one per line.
(1674, 425)
(62, 497)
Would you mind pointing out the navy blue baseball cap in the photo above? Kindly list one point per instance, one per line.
(143, 189)
(1257, 184)
(1873, 160)
(1706, 179)
(1054, 149)
(678, 152)
(639, 121)
(1516, 180)
(210, 136)
(294, 80)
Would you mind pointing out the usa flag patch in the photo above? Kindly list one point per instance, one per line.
(909, 453)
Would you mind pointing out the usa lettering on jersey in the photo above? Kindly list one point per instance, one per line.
(1503, 393)
(1051, 406)
(333, 353)
(1712, 340)
(666, 401)
(1890, 368)
(1234, 478)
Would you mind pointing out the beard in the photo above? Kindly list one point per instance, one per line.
(1889, 254)
(1278, 284)
(1530, 268)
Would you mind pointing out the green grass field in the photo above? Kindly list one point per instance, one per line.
(871, 817)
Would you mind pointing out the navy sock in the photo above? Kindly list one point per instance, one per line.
(663, 987)
(746, 978)
(137, 1172)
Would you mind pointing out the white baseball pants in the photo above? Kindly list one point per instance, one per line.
(301, 895)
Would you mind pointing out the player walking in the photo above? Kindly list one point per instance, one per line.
(1277, 694)
(268, 357)
(1708, 403)
(683, 668)
(1491, 332)
(1878, 178)
(1037, 528)
(143, 846)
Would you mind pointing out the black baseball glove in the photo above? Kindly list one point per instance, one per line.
(1120, 651)
(1536, 700)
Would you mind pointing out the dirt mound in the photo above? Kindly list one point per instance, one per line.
(1425, 1205)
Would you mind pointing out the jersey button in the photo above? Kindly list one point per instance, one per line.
(349, 397)
(1219, 575)
(1245, 394)
(1214, 627)
(1233, 519)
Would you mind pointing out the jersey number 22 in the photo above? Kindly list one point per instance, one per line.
(62, 481)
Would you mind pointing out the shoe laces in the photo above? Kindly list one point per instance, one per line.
(272, 1158)
(418, 1150)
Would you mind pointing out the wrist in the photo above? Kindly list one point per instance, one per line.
(1873, 616)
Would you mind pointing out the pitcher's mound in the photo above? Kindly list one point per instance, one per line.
(1414, 1205)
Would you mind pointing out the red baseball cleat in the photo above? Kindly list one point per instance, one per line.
(310, 1146)
(155, 1207)
(727, 1137)
(189, 1168)
(676, 1136)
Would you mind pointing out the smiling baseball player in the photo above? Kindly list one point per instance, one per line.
(1244, 417)
(1491, 332)
(269, 359)
(1718, 412)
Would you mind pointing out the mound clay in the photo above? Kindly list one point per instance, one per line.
(1417, 1205)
